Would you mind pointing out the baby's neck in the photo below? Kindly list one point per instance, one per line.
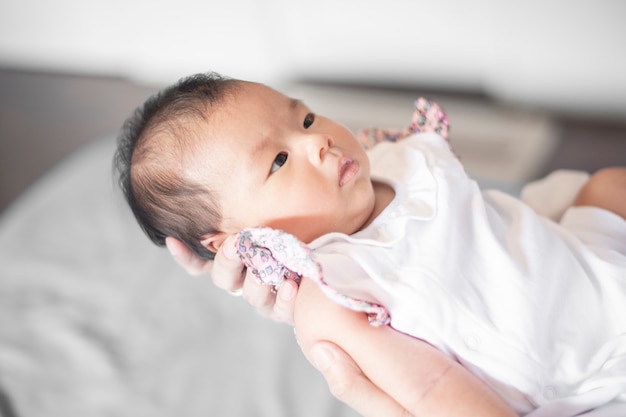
(384, 194)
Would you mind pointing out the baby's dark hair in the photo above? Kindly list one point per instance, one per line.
(150, 148)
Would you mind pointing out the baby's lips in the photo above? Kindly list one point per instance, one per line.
(348, 169)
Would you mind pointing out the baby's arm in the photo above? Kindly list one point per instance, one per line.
(605, 189)
(416, 375)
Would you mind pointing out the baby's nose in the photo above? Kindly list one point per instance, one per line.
(318, 145)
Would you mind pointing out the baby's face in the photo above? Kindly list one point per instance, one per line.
(273, 162)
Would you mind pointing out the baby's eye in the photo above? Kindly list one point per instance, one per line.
(279, 161)
(308, 120)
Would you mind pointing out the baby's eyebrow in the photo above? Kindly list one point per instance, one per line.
(258, 150)
(262, 144)
(294, 102)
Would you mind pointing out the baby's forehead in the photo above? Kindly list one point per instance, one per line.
(247, 90)
(248, 111)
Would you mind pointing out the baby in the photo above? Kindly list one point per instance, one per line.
(534, 307)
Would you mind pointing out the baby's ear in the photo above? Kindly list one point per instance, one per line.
(213, 241)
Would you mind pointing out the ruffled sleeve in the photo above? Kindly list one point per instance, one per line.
(428, 116)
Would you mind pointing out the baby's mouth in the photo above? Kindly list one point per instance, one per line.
(348, 168)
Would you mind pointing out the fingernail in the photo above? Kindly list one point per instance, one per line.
(322, 357)
(286, 292)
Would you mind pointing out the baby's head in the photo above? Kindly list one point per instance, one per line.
(210, 156)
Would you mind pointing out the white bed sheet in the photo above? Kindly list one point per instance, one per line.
(96, 321)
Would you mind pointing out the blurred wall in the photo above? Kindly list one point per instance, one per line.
(564, 55)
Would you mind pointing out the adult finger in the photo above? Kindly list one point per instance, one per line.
(228, 271)
(277, 306)
(347, 383)
(193, 264)
(258, 295)
(285, 302)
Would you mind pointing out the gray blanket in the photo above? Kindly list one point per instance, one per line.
(96, 321)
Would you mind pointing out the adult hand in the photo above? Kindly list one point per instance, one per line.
(348, 383)
(186, 258)
(228, 273)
